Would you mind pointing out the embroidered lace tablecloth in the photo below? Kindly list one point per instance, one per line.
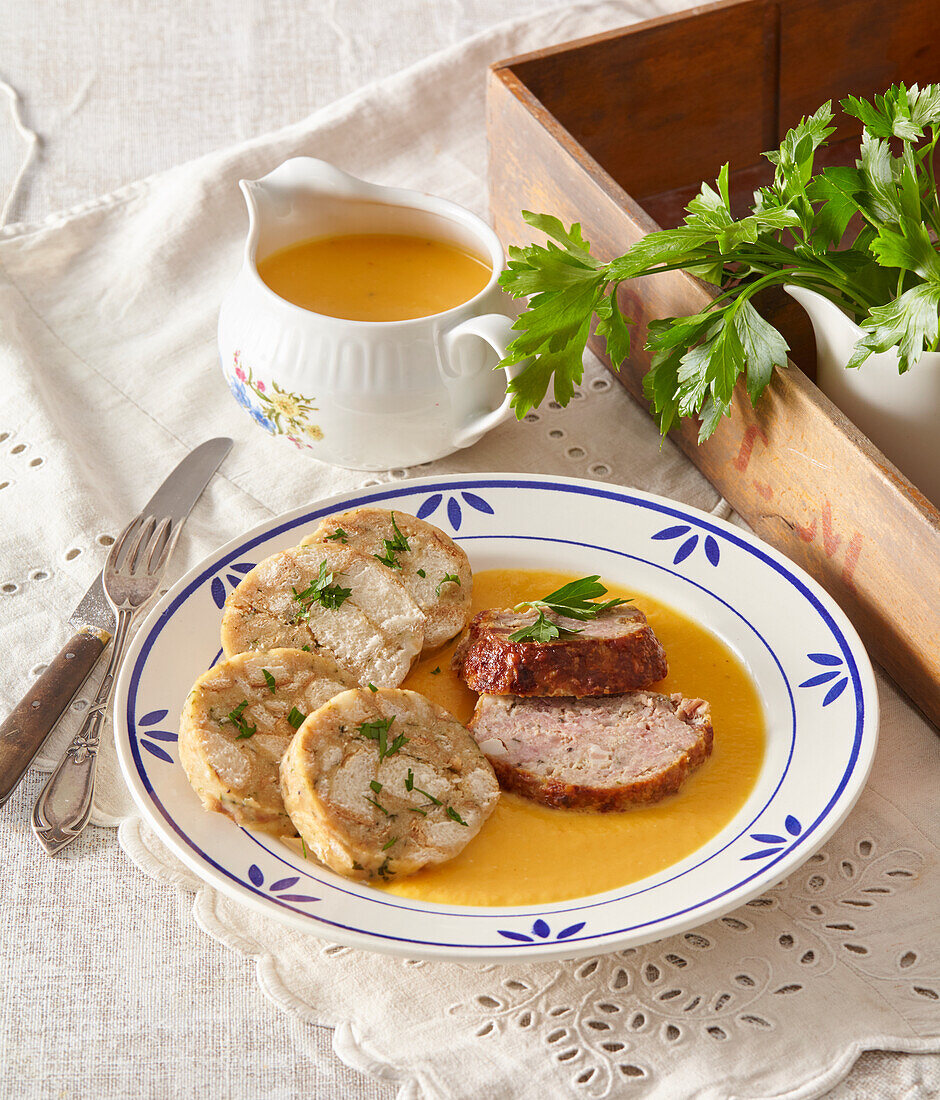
(107, 366)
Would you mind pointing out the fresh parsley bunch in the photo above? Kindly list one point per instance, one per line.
(887, 279)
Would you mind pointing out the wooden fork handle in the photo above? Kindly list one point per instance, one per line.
(23, 733)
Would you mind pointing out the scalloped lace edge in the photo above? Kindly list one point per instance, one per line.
(355, 1050)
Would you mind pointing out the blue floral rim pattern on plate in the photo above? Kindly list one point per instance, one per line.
(449, 499)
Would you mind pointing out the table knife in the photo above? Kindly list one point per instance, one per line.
(32, 720)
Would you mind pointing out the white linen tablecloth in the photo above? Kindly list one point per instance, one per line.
(110, 990)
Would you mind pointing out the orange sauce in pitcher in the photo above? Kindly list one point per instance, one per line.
(375, 276)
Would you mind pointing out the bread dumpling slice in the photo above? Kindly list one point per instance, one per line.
(384, 783)
(431, 566)
(237, 722)
(331, 599)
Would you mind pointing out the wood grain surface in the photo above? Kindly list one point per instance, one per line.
(795, 468)
(22, 734)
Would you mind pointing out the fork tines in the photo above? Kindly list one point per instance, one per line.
(144, 545)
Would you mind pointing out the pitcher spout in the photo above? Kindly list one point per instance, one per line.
(301, 198)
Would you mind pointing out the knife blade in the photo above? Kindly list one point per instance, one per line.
(175, 498)
(32, 720)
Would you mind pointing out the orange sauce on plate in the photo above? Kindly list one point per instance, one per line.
(528, 854)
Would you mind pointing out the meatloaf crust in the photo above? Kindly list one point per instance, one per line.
(612, 654)
(599, 754)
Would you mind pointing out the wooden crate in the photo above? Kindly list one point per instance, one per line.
(616, 132)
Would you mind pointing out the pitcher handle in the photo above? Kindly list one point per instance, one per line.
(496, 330)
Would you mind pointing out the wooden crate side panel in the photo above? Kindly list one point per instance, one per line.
(673, 81)
(826, 52)
(669, 101)
(794, 468)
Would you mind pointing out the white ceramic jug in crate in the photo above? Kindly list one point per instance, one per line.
(900, 413)
(362, 394)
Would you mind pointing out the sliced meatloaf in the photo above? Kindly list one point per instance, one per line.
(599, 754)
(614, 653)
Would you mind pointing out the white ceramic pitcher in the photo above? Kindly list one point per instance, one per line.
(900, 413)
(362, 394)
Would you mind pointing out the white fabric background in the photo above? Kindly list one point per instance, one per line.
(110, 989)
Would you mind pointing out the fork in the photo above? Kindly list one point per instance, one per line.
(131, 575)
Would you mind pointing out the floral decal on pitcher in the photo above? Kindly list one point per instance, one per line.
(276, 410)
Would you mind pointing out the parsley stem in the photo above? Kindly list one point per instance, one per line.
(769, 260)
(852, 303)
(794, 272)
(932, 210)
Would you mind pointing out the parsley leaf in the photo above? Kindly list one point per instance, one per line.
(398, 544)
(377, 730)
(410, 786)
(448, 578)
(338, 535)
(376, 788)
(322, 592)
(566, 283)
(240, 723)
(908, 246)
(452, 813)
(909, 323)
(575, 600)
(399, 741)
(270, 681)
(612, 325)
(333, 596)
(764, 348)
(835, 190)
(540, 629)
(388, 559)
(296, 718)
(900, 112)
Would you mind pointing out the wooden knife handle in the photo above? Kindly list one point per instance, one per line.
(23, 733)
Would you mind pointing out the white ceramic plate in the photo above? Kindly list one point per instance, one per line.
(814, 678)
